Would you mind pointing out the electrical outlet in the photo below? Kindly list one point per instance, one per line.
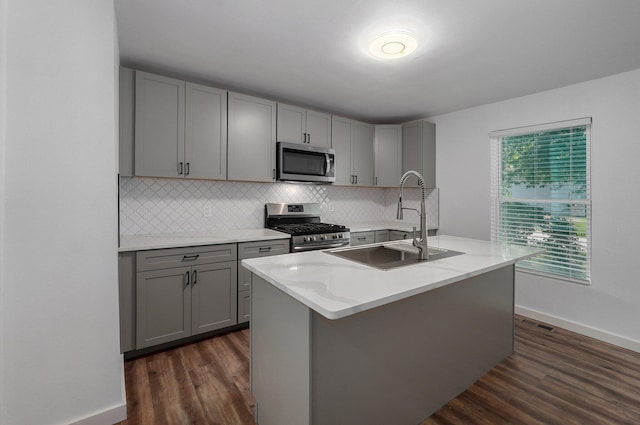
(206, 211)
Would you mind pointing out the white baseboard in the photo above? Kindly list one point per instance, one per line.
(581, 329)
(106, 417)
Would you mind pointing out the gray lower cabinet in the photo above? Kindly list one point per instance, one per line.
(382, 236)
(396, 235)
(254, 250)
(177, 302)
(361, 238)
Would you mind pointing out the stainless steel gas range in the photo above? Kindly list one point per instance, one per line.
(302, 222)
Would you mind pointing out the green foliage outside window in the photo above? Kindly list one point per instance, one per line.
(543, 185)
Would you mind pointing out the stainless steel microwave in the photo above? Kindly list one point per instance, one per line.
(305, 163)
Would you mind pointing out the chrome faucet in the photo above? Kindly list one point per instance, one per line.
(420, 243)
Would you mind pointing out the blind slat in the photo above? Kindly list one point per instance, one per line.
(541, 193)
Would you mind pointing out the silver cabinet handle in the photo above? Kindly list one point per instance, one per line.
(187, 169)
(190, 257)
(179, 168)
(274, 173)
(309, 138)
(186, 278)
(195, 277)
(264, 249)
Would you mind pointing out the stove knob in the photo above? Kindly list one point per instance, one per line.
(335, 236)
(312, 238)
(322, 237)
(340, 236)
(305, 239)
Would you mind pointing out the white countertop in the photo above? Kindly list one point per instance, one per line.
(336, 287)
(402, 225)
(214, 237)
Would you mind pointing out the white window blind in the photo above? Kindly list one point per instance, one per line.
(542, 197)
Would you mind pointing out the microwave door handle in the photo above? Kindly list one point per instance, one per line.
(328, 166)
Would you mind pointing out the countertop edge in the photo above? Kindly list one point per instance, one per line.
(168, 241)
(345, 312)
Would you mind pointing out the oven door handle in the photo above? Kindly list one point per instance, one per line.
(309, 248)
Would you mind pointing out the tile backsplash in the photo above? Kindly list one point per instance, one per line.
(150, 205)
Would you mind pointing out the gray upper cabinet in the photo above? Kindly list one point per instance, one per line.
(205, 141)
(127, 108)
(180, 128)
(299, 125)
(419, 151)
(388, 155)
(353, 143)
(251, 138)
(159, 126)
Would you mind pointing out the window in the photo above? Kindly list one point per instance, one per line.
(541, 195)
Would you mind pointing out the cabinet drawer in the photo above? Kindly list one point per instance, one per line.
(191, 256)
(382, 235)
(263, 248)
(361, 238)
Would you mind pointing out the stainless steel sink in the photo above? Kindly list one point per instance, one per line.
(389, 256)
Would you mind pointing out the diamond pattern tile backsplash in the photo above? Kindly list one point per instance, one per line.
(149, 205)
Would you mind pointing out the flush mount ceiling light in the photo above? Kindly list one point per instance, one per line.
(394, 44)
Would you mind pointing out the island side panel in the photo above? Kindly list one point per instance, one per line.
(399, 363)
(280, 356)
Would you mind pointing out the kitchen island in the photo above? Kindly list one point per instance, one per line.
(338, 342)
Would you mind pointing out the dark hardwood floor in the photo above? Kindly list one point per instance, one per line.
(554, 377)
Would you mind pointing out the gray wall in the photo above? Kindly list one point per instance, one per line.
(60, 360)
(610, 307)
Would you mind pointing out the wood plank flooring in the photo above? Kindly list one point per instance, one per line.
(554, 377)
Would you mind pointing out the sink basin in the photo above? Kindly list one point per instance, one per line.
(385, 257)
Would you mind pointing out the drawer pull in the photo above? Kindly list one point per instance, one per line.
(362, 238)
(190, 257)
(264, 249)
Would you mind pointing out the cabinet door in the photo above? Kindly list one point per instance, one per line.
(251, 138)
(291, 123)
(214, 293)
(341, 142)
(388, 152)
(318, 129)
(205, 132)
(159, 132)
(127, 135)
(163, 306)
(362, 153)
(127, 296)
(244, 306)
(429, 153)
(412, 149)
(419, 151)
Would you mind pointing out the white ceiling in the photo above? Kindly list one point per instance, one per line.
(313, 52)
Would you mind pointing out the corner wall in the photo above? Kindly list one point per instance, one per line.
(609, 308)
(60, 345)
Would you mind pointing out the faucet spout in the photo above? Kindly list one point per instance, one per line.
(420, 243)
